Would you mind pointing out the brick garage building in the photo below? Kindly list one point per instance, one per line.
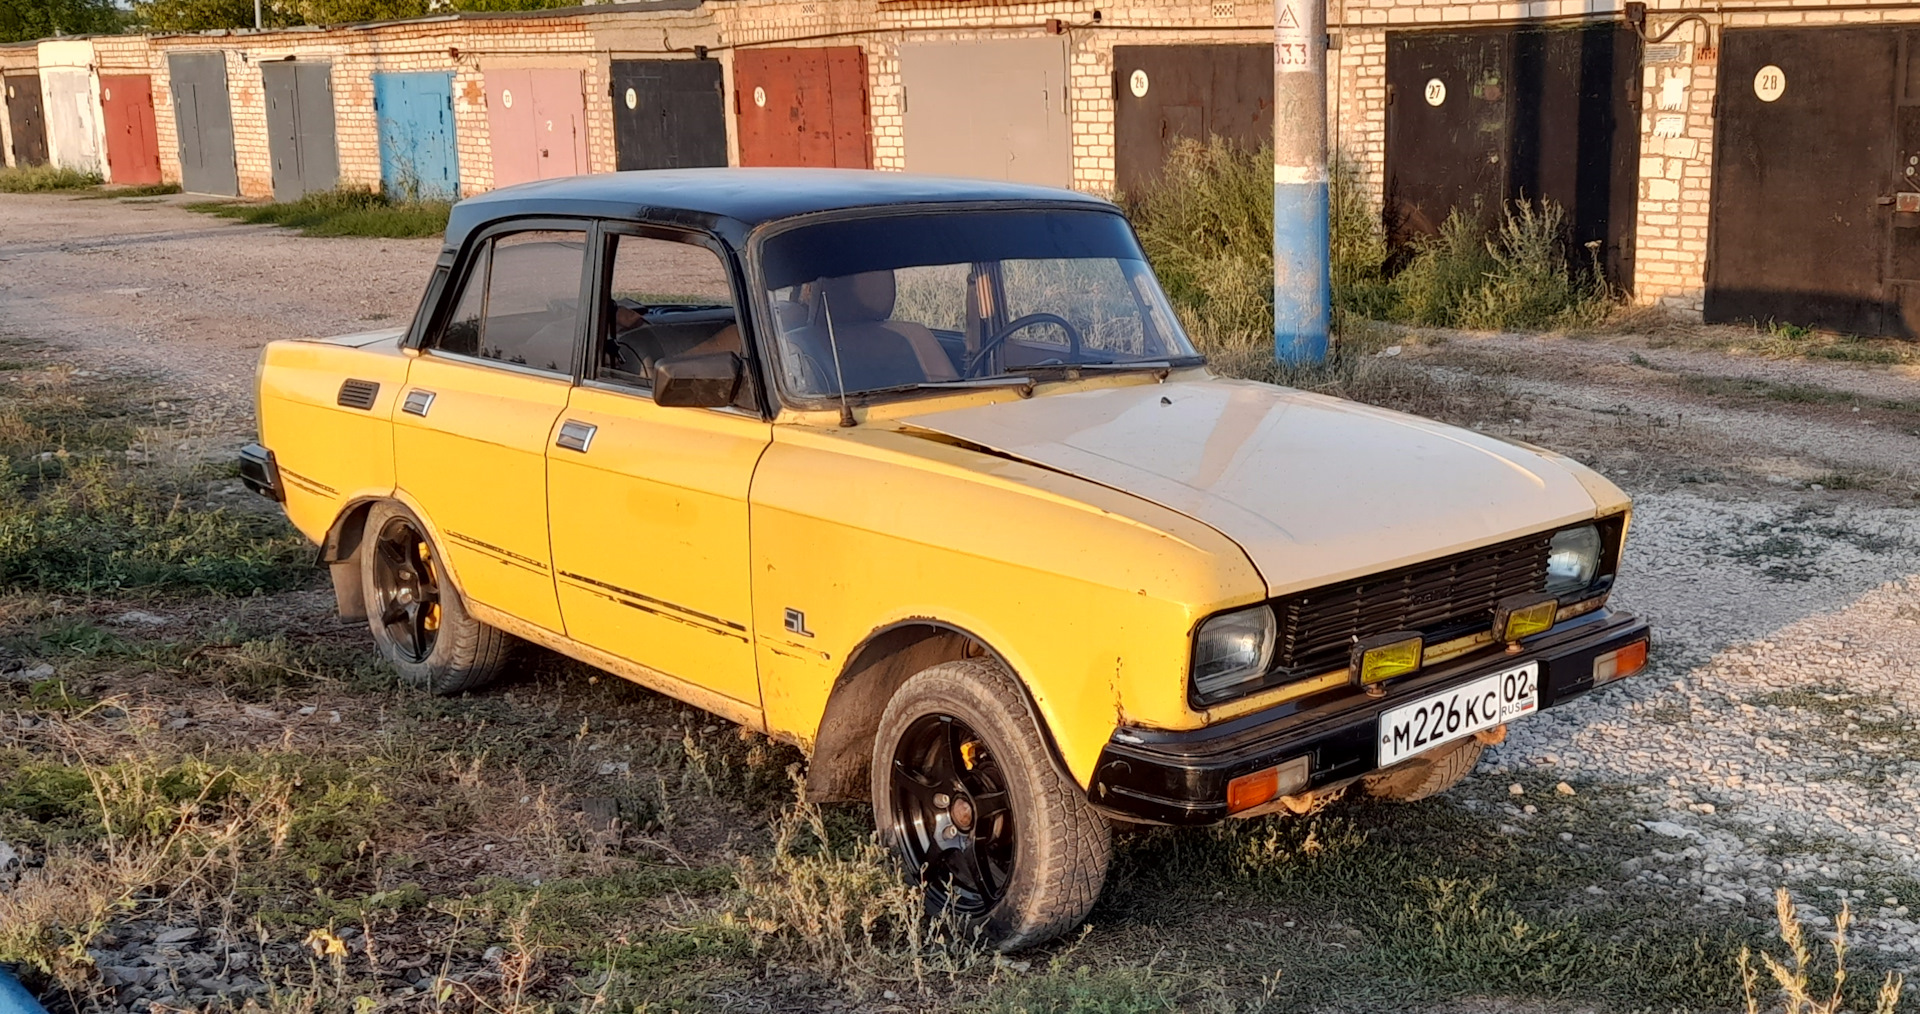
(466, 46)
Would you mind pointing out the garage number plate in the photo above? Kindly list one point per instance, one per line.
(1455, 714)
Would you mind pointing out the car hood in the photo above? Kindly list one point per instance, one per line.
(1315, 489)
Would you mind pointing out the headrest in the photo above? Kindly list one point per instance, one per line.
(863, 297)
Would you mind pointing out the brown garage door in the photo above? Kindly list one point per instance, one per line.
(1814, 133)
(802, 107)
(133, 147)
(1167, 94)
(26, 120)
(989, 109)
(1481, 117)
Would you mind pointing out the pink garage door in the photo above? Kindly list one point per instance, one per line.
(538, 122)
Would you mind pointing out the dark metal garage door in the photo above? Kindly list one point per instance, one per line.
(1479, 118)
(26, 119)
(804, 107)
(669, 114)
(1815, 137)
(300, 134)
(204, 118)
(1166, 94)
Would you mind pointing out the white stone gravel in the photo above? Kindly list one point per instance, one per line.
(1775, 739)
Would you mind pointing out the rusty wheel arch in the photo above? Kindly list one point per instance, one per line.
(340, 552)
(838, 765)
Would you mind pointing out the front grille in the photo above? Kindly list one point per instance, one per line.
(358, 394)
(1442, 599)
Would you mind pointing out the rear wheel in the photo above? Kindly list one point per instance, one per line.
(1426, 775)
(418, 618)
(969, 796)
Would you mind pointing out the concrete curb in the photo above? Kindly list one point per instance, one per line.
(14, 998)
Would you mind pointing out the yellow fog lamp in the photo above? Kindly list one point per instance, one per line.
(1521, 616)
(1385, 656)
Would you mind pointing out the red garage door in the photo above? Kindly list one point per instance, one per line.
(802, 107)
(133, 149)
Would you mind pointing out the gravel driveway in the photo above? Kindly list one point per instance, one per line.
(1775, 544)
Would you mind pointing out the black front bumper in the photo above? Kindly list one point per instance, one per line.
(261, 473)
(1181, 777)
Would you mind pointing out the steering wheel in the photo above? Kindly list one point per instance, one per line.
(999, 338)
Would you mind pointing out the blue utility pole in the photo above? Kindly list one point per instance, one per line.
(1302, 272)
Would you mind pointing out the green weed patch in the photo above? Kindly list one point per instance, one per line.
(42, 179)
(343, 212)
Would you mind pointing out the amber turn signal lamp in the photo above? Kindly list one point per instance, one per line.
(1523, 616)
(1386, 656)
(1267, 784)
(1619, 663)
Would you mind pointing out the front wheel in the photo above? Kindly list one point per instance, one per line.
(970, 798)
(1426, 775)
(418, 618)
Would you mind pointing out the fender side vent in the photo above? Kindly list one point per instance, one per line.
(358, 394)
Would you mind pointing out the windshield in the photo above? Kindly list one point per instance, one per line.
(899, 302)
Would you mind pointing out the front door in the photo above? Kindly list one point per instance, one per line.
(482, 399)
(649, 504)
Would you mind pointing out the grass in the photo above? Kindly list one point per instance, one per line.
(343, 212)
(1791, 393)
(42, 179)
(96, 496)
(140, 190)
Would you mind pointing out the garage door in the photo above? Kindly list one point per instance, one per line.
(73, 125)
(669, 114)
(802, 107)
(537, 121)
(1167, 94)
(415, 115)
(133, 149)
(26, 120)
(300, 135)
(205, 122)
(1479, 118)
(1817, 141)
(991, 110)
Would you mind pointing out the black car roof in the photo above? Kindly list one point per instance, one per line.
(732, 201)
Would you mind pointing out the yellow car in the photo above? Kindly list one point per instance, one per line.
(922, 476)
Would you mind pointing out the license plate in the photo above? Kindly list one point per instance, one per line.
(1455, 714)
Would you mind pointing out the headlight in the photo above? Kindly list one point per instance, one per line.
(1573, 559)
(1232, 649)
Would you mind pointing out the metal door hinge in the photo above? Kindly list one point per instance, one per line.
(576, 436)
(418, 402)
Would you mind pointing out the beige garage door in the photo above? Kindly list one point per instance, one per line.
(993, 110)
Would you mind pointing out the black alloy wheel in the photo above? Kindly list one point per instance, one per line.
(407, 586)
(952, 815)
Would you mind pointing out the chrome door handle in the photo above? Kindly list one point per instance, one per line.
(418, 402)
(576, 436)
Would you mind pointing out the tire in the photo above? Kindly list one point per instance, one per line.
(419, 619)
(1042, 866)
(1427, 774)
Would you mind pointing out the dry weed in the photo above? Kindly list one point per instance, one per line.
(1797, 991)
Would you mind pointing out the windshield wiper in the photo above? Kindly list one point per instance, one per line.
(1139, 364)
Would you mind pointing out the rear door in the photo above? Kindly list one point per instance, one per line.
(649, 504)
(482, 400)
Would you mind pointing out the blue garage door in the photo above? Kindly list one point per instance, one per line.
(417, 154)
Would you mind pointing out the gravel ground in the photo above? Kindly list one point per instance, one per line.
(1775, 739)
(153, 288)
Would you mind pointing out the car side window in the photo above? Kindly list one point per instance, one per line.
(520, 301)
(662, 299)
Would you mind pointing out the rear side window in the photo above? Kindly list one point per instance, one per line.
(520, 302)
